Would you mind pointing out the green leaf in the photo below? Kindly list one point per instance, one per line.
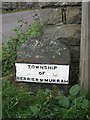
(35, 110)
(64, 101)
(47, 92)
(85, 104)
(74, 90)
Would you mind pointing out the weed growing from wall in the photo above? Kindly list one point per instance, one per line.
(9, 52)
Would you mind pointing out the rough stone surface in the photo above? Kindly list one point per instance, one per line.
(73, 15)
(7, 6)
(58, 4)
(64, 31)
(44, 51)
(50, 16)
(74, 52)
(54, 15)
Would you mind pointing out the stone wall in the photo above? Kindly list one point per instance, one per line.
(7, 6)
(54, 16)
(66, 32)
(63, 23)
(12, 6)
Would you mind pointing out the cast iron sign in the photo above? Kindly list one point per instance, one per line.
(42, 73)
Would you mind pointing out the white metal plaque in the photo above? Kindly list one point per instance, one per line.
(42, 73)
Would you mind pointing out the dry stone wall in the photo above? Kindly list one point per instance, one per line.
(64, 24)
(68, 15)
(12, 6)
(63, 21)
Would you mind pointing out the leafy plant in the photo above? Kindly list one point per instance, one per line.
(35, 30)
(44, 104)
(9, 51)
(74, 90)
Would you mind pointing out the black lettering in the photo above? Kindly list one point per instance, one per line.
(55, 67)
(53, 80)
(28, 78)
(24, 78)
(36, 79)
(33, 66)
(50, 80)
(41, 80)
(61, 80)
(29, 66)
(17, 78)
(49, 67)
(32, 79)
(41, 67)
(46, 80)
(58, 80)
(45, 67)
(40, 73)
(65, 80)
(21, 78)
(37, 67)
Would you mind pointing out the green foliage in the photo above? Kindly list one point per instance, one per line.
(74, 90)
(44, 104)
(10, 51)
(15, 101)
(35, 30)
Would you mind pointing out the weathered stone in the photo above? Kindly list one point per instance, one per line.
(6, 6)
(69, 35)
(50, 16)
(75, 53)
(66, 34)
(58, 4)
(71, 41)
(46, 4)
(43, 51)
(57, 15)
(73, 15)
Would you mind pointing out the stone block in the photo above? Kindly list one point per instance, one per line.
(73, 15)
(43, 51)
(66, 34)
(58, 4)
(50, 16)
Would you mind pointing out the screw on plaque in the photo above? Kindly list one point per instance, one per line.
(55, 74)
